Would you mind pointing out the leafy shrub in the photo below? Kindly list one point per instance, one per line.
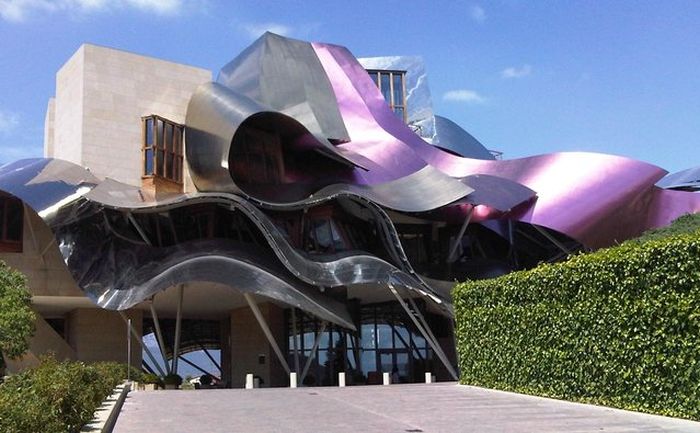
(56, 396)
(619, 327)
(172, 379)
(16, 316)
(151, 378)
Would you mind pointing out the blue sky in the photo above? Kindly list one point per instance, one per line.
(524, 77)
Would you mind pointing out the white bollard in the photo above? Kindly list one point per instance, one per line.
(386, 379)
(249, 384)
(341, 380)
(292, 380)
(428, 377)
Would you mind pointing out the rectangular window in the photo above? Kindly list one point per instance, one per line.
(162, 148)
(11, 222)
(393, 87)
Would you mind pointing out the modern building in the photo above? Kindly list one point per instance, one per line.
(303, 212)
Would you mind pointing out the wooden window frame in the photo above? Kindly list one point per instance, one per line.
(174, 171)
(391, 73)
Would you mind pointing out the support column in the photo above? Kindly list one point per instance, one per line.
(178, 327)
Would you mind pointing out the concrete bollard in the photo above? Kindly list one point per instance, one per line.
(428, 377)
(386, 379)
(341, 380)
(293, 380)
(249, 384)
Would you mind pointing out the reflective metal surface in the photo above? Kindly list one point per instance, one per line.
(593, 198)
(344, 147)
(686, 179)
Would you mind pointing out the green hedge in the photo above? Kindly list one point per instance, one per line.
(56, 396)
(618, 327)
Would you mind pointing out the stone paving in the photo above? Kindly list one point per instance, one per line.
(440, 407)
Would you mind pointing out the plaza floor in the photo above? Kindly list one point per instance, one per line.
(441, 407)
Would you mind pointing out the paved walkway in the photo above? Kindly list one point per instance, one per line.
(442, 407)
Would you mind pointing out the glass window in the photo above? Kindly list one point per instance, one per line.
(162, 148)
(391, 85)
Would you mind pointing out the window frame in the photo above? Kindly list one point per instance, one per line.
(172, 152)
(376, 76)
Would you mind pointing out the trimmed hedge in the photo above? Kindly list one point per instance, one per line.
(618, 327)
(56, 396)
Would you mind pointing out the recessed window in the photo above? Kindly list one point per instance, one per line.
(11, 221)
(162, 148)
(392, 86)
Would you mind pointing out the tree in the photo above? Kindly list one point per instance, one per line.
(16, 316)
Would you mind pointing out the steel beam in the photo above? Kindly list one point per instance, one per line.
(159, 336)
(314, 350)
(178, 327)
(458, 241)
(263, 324)
(138, 228)
(551, 239)
(143, 346)
(427, 334)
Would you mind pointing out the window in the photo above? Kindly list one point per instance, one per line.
(392, 86)
(162, 148)
(11, 221)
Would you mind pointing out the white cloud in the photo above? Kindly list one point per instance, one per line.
(464, 95)
(19, 10)
(8, 121)
(515, 72)
(477, 13)
(255, 30)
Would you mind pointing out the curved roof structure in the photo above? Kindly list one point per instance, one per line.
(339, 145)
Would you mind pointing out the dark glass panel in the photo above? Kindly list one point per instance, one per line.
(148, 162)
(368, 359)
(367, 335)
(322, 234)
(168, 137)
(160, 156)
(385, 86)
(149, 131)
(3, 211)
(14, 220)
(399, 112)
(374, 76)
(159, 133)
(398, 89)
(169, 173)
(384, 337)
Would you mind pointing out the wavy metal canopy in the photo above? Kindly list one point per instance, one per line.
(339, 142)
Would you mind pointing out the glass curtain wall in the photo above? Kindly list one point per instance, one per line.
(387, 340)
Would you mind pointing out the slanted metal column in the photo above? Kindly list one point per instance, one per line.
(458, 241)
(138, 228)
(143, 346)
(551, 239)
(427, 334)
(263, 324)
(178, 327)
(314, 350)
(159, 336)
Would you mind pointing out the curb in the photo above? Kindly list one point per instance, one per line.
(105, 417)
